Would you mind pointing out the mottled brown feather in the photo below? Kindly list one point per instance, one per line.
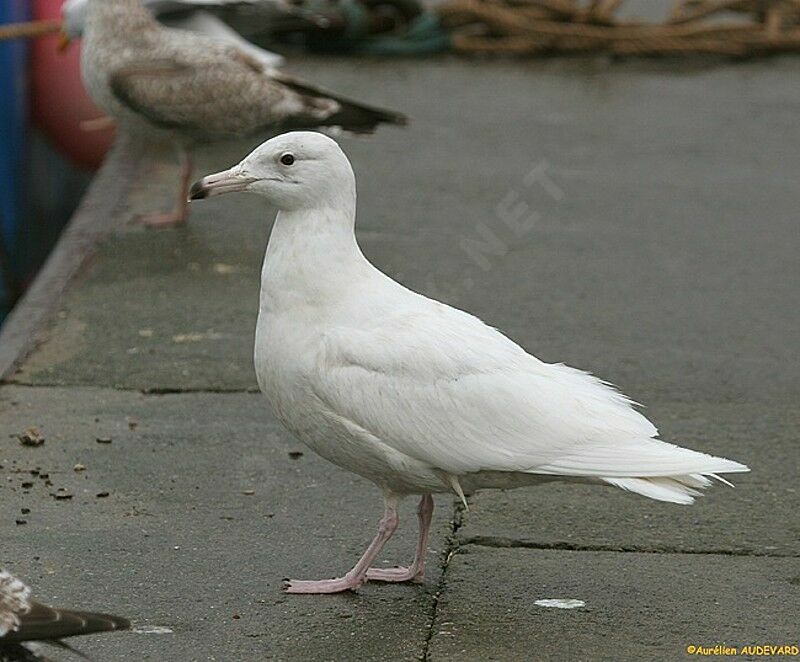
(44, 623)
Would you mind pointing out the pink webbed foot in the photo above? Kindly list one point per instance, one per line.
(160, 219)
(337, 585)
(362, 571)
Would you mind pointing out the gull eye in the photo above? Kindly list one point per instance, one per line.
(287, 159)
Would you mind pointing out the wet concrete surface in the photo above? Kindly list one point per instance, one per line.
(637, 606)
(204, 512)
(657, 248)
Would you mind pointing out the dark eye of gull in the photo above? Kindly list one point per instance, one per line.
(287, 159)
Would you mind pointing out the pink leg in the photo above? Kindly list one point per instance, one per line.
(178, 215)
(358, 575)
(416, 571)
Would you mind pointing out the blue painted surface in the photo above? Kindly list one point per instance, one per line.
(13, 138)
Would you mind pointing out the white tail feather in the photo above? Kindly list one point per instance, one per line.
(638, 458)
(674, 489)
(722, 480)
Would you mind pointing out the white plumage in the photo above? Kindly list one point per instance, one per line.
(410, 393)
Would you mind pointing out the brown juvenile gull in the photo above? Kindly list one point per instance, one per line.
(174, 85)
(414, 395)
(204, 16)
(25, 620)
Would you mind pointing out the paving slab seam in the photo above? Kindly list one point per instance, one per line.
(169, 390)
(122, 389)
(178, 391)
(450, 550)
(515, 543)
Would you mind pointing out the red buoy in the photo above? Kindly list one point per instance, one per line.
(59, 102)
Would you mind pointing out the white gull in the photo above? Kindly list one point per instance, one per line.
(414, 395)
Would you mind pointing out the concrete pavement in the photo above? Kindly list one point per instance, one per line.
(637, 220)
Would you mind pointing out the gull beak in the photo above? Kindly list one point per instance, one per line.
(64, 40)
(228, 181)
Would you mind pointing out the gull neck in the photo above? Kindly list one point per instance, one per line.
(312, 258)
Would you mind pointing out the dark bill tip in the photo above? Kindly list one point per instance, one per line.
(198, 191)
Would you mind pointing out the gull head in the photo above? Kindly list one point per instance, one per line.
(75, 16)
(297, 170)
(73, 13)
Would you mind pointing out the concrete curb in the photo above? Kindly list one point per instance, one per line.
(93, 220)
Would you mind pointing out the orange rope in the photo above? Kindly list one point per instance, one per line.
(28, 30)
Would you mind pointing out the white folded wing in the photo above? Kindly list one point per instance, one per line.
(439, 385)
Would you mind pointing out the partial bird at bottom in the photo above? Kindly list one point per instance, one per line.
(24, 620)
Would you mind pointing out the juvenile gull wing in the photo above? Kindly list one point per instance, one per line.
(222, 92)
(227, 97)
(43, 623)
(440, 386)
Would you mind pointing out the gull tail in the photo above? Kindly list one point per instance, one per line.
(674, 489)
(650, 467)
(326, 109)
(680, 488)
(359, 118)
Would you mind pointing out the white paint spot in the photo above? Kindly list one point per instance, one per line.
(195, 336)
(560, 603)
(152, 629)
(224, 269)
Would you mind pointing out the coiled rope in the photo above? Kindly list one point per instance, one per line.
(739, 28)
(736, 28)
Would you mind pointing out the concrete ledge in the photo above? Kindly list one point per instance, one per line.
(93, 220)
